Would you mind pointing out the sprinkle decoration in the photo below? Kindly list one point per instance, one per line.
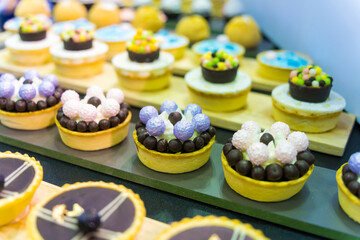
(32, 24)
(310, 76)
(143, 42)
(78, 35)
(219, 60)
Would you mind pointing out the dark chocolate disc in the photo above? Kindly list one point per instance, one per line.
(89, 221)
(227, 148)
(188, 146)
(353, 187)
(3, 102)
(10, 106)
(41, 104)
(174, 117)
(258, 173)
(139, 124)
(243, 167)
(274, 172)
(291, 172)
(206, 137)
(150, 142)
(51, 101)
(28, 81)
(20, 105)
(162, 145)
(211, 131)
(114, 121)
(125, 105)
(307, 156)
(94, 101)
(175, 145)
(81, 126)
(199, 142)
(123, 114)
(71, 125)
(31, 106)
(348, 177)
(63, 121)
(233, 157)
(345, 169)
(266, 138)
(303, 166)
(104, 124)
(93, 126)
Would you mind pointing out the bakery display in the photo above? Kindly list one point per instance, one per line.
(68, 10)
(210, 228)
(29, 103)
(20, 176)
(115, 36)
(278, 64)
(243, 30)
(88, 210)
(31, 45)
(307, 103)
(218, 85)
(172, 141)
(104, 13)
(347, 178)
(268, 166)
(194, 27)
(148, 18)
(172, 43)
(143, 67)
(94, 122)
(79, 56)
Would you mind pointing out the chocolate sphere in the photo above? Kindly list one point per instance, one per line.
(188, 146)
(71, 125)
(266, 138)
(243, 167)
(175, 145)
(211, 131)
(114, 121)
(10, 106)
(345, 169)
(353, 187)
(142, 136)
(161, 145)
(199, 142)
(59, 89)
(227, 148)
(139, 125)
(104, 124)
(206, 137)
(233, 157)
(51, 101)
(125, 105)
(291, 172)
(348, 177)
(57, 95)
(41, 104)
(81, 126)
(28, 81)
(123, 114)
(31, 106)
(150, 142)
(59, 115)
(93, 126)
(63, 121)
(303, 166)
(20, 106)
(94, 101)
(174, 117)
(274, 172)
(3, 102)
(258, 173)
(307, 156)
(141, 130)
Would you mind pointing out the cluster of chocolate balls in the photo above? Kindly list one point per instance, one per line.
(351, 174)
(30, 93)
(219, 60)
(291, 156)
(310, 76)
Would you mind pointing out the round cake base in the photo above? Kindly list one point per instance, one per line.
(29, 57)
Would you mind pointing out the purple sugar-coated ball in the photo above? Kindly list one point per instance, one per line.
(31, 73)
(51, 78)
(168, 106)
(7, 89)
(46, 89)
(27, 92)
(201, 122)
(7, 77)
(183, 130)
(146, 113)
(354, 163)
(193, 109)
(155, 126)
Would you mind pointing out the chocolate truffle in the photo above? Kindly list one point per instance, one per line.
(104, 124)
(31, 106)
(291, 172)
(348, 177)
(303, 166)
(258, 173)
(206, 137)
(307, 156)
(199, 142)
(114, 121)
(20, 106)
(266, 138)
(161, 145)
(141, 130)
(81, 126)
(150, 142)
(123, 114)
(41, 104)
(353, 186)
(142, 136)
(233, 157)
(93, 126)
(3, 102)
(94, 101)
(71, 125)
(63, 121)
(10, 106)
(345, 169)
(125, 105)
(57, 95)
(174, 117)
(51, 101)
(274, 172)
(227, 148)
(175, 145)
(59, 115)
(243, 167)
(211, 131)
(139, 124)
(188, 146)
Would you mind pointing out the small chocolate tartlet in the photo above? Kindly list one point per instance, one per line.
(32, 36)
(219, 76)
(78, 46)
(144, 57)
(309, 93)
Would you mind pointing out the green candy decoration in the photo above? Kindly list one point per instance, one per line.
(318, 78)
(327, 81)
(300, 82)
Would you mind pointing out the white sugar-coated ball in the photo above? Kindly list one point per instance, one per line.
(258, 153)
(251, 126)
(116, 94)
(94, 91)
(280, 128)
(285, 152)
(71, 108)
(110, 107)
(69, 95)
(299, 140)
(88, 112)
(242, 139)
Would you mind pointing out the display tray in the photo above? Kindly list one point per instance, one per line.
(17, 230)
(315, 209)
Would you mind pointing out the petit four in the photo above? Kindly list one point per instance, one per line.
(307, 103)
(104, 13)
(172, 141)
(148, 18)
(172, 43)
(268, 166)
(20, 176)
(88, 210)
(95, 122)
(218, 85)
(30, 103)
(143, 67)
(67, 10)
(194, 27)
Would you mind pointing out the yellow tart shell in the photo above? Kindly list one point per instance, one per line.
(130, 233)
(29, 57)
(199, 221)
(11, 207)
(262, 191)
(88, 68)
(348, 201)
(30, 120)
(273, 72)
(97, 140)
(173, 163)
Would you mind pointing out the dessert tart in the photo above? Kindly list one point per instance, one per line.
(277, 64)
(20, 176)
(95, 122)
(172, 43)
(173, 142)
(143, 67)
(148, 18)
(268, 166)
(210, 228)
(307, 103)
(218, 85)
(82, 23)
(212, 45)
(348, 180)
(30, 103)
(79, 56)
(115, 36)
(31, 45)
(88, 210)
(194, 27)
